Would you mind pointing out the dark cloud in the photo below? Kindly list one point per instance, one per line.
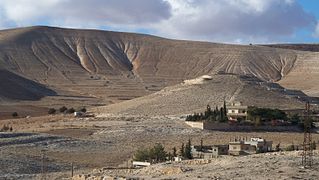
(211, 20)
(253, 20)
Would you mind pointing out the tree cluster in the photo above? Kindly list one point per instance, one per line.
(217, 114)
(158, 154)
(64, 109)
(154, 154)
(266, 113)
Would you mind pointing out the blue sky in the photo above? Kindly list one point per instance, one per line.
(228, 21)
(306, 35)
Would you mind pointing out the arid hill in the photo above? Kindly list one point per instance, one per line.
(193, 96)
(115, 66)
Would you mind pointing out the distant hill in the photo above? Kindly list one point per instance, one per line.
(299, 47)
(115, 66)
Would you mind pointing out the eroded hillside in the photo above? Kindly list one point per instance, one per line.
(119, 66)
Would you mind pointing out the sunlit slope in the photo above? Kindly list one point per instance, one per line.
(119, 66)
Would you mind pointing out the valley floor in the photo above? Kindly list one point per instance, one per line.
(93, 143)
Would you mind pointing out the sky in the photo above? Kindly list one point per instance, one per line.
(227, 21)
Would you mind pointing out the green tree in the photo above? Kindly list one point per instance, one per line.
(63, 109)
(223, 117)
(158, 154)
(141, 155)
(225, 109)
(70, 111)
(51, 111)
(201, 145)
(83, 110)
(188, 150)
(154, 154)
(182, 150)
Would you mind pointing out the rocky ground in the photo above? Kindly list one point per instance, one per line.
(94, 143)
(278, 165)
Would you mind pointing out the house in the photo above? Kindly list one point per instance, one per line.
(208, 152)
(237, 111)
(252, 146)
(237, 148)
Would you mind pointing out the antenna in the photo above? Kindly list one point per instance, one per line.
(307, 147)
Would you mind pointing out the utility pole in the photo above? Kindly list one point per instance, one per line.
(43, 165)
(307, 148)
(72, 170)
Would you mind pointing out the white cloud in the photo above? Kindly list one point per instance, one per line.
(235, 20)
(212, 20)
(82, 12)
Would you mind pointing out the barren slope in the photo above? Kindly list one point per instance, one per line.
(194, 95)
(119, 66)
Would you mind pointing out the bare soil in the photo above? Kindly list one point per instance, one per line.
(93, 143)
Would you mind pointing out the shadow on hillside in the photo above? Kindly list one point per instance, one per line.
(15, 87)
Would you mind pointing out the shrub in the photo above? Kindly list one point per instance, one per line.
(290, 148)
(70, 111)
(83, 110)
(63, 109)
(14, 114)
(51, 111)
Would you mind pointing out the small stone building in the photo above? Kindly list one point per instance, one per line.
(208, 152)
(252, 146)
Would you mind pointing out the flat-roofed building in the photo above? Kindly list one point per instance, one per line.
(208, 152)
(252, 146)
(237, 111)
